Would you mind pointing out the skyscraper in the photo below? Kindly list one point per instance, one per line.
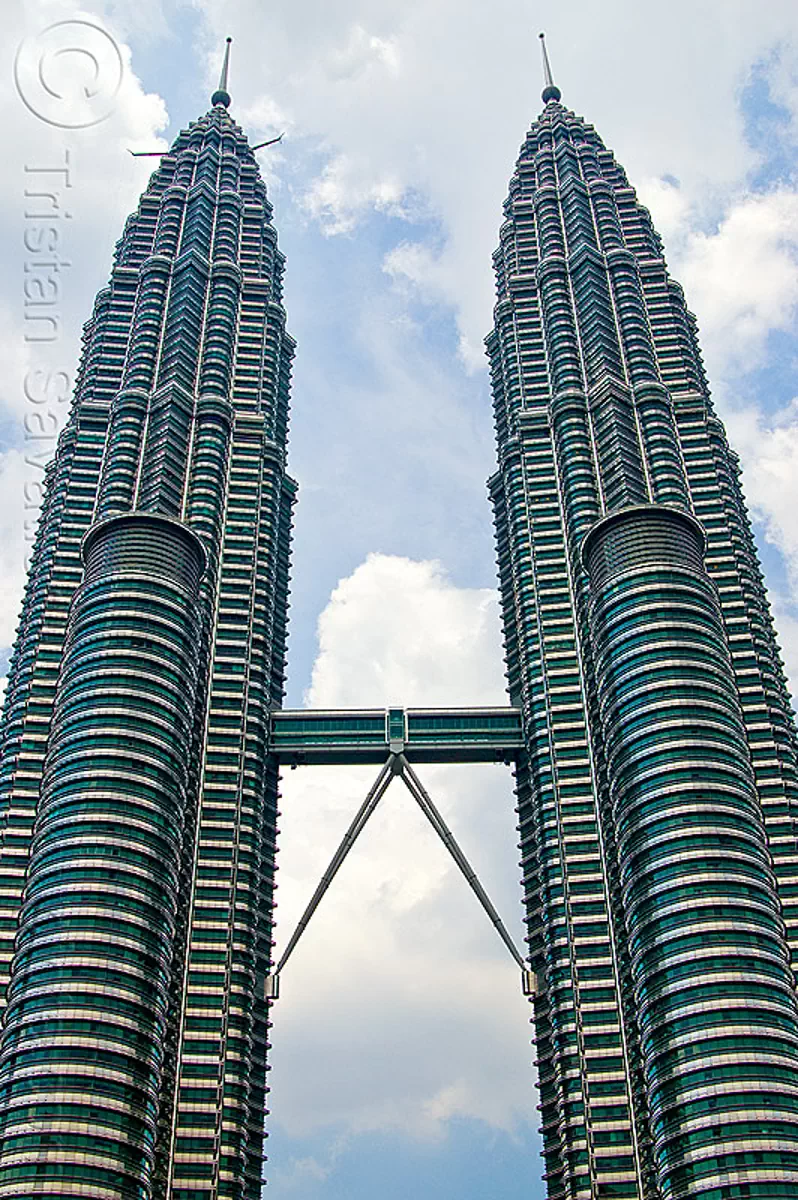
(657, 798)
(649, 721)
(138, 798)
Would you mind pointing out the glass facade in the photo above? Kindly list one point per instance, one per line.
(655, 750)
(657, 794)
(137, 797)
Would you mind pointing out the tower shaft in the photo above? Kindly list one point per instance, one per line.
(658, 791)
(138, 796)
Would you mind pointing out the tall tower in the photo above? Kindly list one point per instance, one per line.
(138, 801)
(657, 797)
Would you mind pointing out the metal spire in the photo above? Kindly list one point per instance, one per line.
(550, 91)
(221, 95)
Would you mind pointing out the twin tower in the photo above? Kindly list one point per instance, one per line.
(648, 721)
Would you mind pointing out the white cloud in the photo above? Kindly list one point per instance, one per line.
(669, 208)
(783, 76)
(742, 280)
(769, 452)
(768, 448)
(338, 197)
(362, 53)
(431, 274)
(375, 639)
(787, 633)
(401, 1009)
(298, 1173)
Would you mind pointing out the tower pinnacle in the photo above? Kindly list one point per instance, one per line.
(550, 91)
(221, 95)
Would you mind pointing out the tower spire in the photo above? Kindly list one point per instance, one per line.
(550, 91)
(221, 95)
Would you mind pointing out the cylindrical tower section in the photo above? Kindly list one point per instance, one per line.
(710, 965)
(82, 1045)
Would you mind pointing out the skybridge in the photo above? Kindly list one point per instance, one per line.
(424, 735)
(396, 740)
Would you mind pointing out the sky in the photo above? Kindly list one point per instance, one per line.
(402, 1062)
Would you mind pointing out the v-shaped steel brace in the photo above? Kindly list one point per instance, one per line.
(397, 765)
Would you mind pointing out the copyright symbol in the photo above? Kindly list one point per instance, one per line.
(69, 74)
